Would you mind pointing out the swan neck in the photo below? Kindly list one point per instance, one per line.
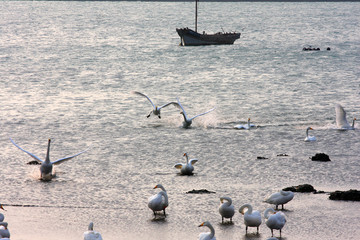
(212, 234)
(91, 226)
(267, 212)
(249, 208)
(187, 158)
(307, 132)
(353, 123)
(48, 152)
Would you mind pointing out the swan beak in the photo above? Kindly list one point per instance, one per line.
(49, 140)
(201, 225)
(155, 187)
(311, 128)
(354, 118)
(1, 206)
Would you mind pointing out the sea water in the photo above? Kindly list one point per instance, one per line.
(67, 72)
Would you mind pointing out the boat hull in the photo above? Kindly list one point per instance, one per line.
(189, 37)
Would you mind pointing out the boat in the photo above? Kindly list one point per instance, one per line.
(189, 37)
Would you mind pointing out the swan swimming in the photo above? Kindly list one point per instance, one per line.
(251, 218)
(341, 121)
(309, 138)
(207, 235)
(47, 166)
(4, 232)
(90, 234)
(188, 168)
(226, 209)
(275, 220)
(246, 126)
(156, 109)
(280, 198)
(160, 201)
(188, 121)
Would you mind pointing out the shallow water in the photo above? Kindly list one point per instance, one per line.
(68, 69)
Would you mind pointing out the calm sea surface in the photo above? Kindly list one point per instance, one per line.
(67, 72)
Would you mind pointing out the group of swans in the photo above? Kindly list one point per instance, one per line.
(156, 110)
(341, 123)
(4, 231)
(46, 167)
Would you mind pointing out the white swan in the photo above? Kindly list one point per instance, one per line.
(207, 235)
(226, 209)
(341, 121)
(251, 218)
(90, 234)
(156, 109)
(4, 232)
(280, 198)
(309, 138)
(247, 126)
(188, 121)
(2, 217)
(47, 166)
(160, 201)
(188, 168)
(275, 220)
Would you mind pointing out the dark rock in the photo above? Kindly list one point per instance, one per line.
(34, 163)
(201, 191)
(351, 195)
(322, 157)
(282, 155)
(301, 188)
(260, 158)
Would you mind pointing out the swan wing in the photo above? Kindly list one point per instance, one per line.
(141, 94)
(193, 161)
(32, 155)
(341, 121)
(178, 165)
(182, 108)
(202, 113)
(167, 104)
(67, 158)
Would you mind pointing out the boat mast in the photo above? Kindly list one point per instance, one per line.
(196, 10)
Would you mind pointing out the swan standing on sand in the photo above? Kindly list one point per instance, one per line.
(47, 166)
(2, 217)
(188, 121)
(4, 232)
(280, 198)
(188, 168)
(226, 209)
(275, 220)
(159, 201)
(251, 218)
(341, 121)
(156, 109)
(207, 235)
(309, 138)
(246, 126)
(91, 234)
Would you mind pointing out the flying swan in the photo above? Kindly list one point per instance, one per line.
(226, 209)
(47, 166)
(207, 235)
(156, 109)
(247, 126)
(274, 220)
(90, 234)
(251, 218)
(188, 168)
(159, 201)
(309, 138)
(280, 198)
(341, 121)
(188, 121)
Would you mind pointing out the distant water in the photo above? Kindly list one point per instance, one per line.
(67, 70)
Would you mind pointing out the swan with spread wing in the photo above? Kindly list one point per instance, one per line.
(341, 121)
(156, 109)
(188, 121)
(188, 168)
(46, 166)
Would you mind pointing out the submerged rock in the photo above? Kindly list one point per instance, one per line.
(351, 195)
(200, 191)
(322, 157)
(34, 163)
(282, 155)
(260, 158)
(301, 188)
